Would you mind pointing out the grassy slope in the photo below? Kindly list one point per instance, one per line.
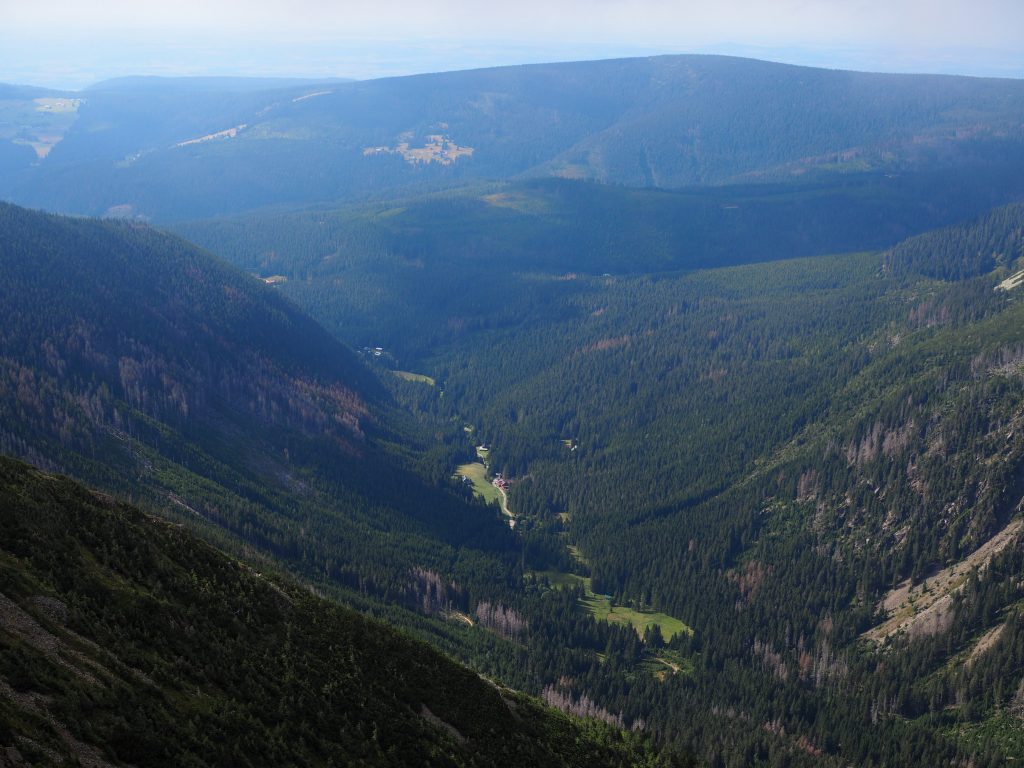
(602, 608)
(477, 474)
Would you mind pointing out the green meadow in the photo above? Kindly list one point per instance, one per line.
(602, 608)
(477, 473)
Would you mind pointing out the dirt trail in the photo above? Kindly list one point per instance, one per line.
(460, 616)
(669, 664)
(504, 507)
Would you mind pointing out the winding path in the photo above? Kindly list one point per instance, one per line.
(504, 507)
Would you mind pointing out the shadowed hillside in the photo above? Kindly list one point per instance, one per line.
(125, 641)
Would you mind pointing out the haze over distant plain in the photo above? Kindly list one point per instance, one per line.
(70, 44)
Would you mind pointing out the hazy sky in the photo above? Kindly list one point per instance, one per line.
(69, 43)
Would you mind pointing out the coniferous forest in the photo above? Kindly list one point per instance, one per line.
(547, 455)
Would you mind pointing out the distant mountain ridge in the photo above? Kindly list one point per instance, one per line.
(666, 121)
(201, 83)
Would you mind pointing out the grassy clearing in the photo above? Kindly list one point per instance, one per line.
(663, 663)
(602, 609)
(420, 377)
(477, 474)
(518, 201)
(561, 580)
(57, 105)
(437, 148)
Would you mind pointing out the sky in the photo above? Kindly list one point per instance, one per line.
(72, 43)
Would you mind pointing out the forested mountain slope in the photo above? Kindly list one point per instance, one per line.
(137, 148)
(141, 364)
(126, 641)
(413, 273)
(788, 446)
(890, 402)
(785, 456)
(807, 473)
(165, 376)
